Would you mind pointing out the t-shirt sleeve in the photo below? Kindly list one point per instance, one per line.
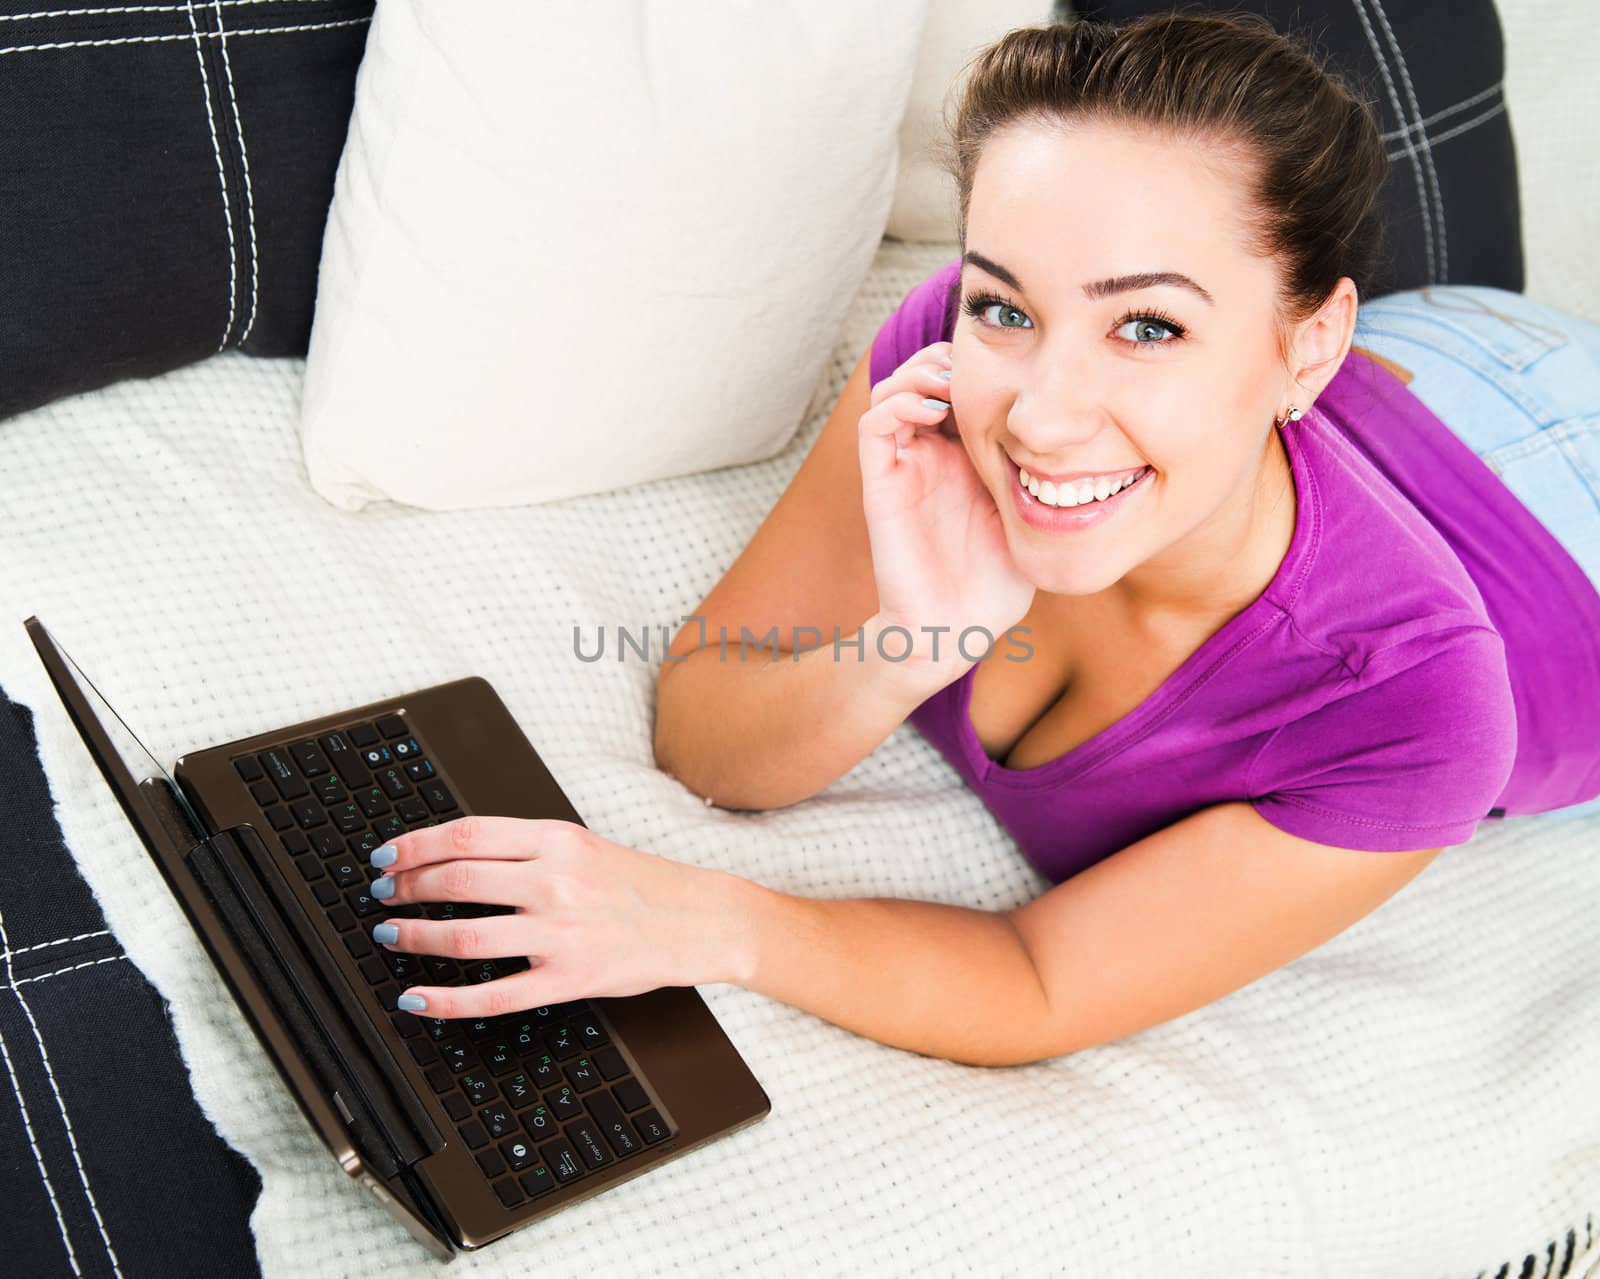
(1410, 753)
(925, 316)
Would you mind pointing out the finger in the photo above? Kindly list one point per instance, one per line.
(501, 883)
(473, 835)
(494, 998)
(488, 937)
(922, 373)
(893, 425)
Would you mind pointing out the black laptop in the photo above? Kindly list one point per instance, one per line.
(465, 1130)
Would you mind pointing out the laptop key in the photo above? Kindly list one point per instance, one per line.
(280, 817)
(498, 1120)
(374, 970)
(519, 1089)
(455, 1105)
(341, 919)
(410, 1028)
(491, 1163)
(313, 763)
(441, 971)
(408, 749)
(376, 757)
(542, 1069)
(539, 1122)
(586, 1138)
(279, 767)
(362, 734)
(422, 1050)
(362, 903)
(325, 893)
(650, 1127)
(392, 726)
(329, 791)
(342, 754)
(357, 943)
(308, 813)
(309, 867)
(617, 1130)
(456, 1055)
(509, 1192)
(630, 1093)
(582, 1075)
(393, 784)
(419, 770)
(440, 1081)
(563, 1103)
(438, 796)
(348, 818)
(389, 827)
(562, 1160)
(294, 843)
(371, 801)
(327, 842)
(499, 1057)
(264, 792)
(347, 871)
(412, 810)
(248, 769)
(536, 1181)
(473, 1134)
(610, 1063)
(518, 1153)
(478, 1087)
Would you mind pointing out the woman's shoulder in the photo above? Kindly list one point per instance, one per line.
(926, 314)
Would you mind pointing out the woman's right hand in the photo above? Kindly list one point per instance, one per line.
(939, 552)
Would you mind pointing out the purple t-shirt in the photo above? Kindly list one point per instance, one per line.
(1426, 652)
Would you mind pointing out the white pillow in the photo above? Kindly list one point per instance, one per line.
(925, 194)
(1553, 99)
(574, 248)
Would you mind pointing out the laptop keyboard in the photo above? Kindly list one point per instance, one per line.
(541, 1097)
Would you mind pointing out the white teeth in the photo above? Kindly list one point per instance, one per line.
(1067, 495)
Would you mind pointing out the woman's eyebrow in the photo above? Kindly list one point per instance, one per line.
(1098, 288)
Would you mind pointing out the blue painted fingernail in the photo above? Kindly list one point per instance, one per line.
(383, 887)
(385, 933)
(935, 404)
(383, 856)
(411, 1003)
(945, 374)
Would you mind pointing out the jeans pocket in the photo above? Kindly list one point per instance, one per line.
(1494, 366)
(1555, 473)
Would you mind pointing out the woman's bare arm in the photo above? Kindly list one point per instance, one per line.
(760, 731)
(1165, 926)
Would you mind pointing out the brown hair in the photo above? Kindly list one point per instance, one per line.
(1313, 155)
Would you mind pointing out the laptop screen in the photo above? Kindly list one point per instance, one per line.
(142, 767)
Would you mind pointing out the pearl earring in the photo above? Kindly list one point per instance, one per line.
(1293, 415)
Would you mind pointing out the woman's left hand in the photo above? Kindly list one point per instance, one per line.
(592, 916)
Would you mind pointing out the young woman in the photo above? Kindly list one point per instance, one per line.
(1282, 635)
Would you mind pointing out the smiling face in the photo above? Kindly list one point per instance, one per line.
(1071, 367)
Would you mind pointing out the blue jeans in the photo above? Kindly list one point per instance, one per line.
(1519, 383)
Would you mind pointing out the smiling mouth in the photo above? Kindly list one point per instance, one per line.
(1080, 493)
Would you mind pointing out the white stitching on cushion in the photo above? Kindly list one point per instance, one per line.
(1394, 135)
(1400, 114)
(1427, 150)
(62, 1107)
(244, 155)
(222, 181)
(204, 35)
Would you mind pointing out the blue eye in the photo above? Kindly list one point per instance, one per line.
(977, 303)
(1144, 321)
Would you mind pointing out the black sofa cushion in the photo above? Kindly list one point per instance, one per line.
(165, 175)
(1434, 73)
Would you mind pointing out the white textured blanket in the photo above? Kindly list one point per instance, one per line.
(1418, 1097)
